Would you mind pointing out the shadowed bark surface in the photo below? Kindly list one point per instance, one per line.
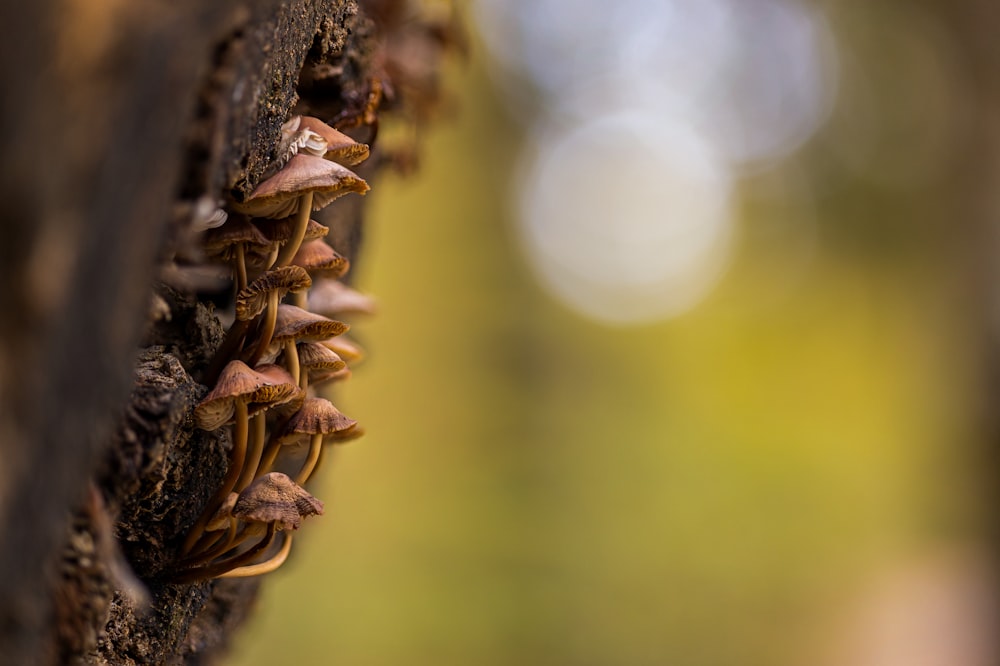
(116, 117)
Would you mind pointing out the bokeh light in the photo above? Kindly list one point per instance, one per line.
(712, 90)
(627, 218)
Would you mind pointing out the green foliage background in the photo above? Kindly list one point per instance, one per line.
(535, 488)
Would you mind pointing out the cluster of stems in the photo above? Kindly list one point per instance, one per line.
(261, 391)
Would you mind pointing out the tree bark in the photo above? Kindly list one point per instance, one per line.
(115, 118)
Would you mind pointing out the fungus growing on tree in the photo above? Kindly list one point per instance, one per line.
(288, 384)
(339, 147)
(215, 116)
(293, 324)
(264, 295)
(274, 500)
(238, 392)
(305, 184)
(313, 356)
(230, 243)
(333, 298)
(272, 503)
(280, 231)
(345, 348)
(318, 258)
(318, 417)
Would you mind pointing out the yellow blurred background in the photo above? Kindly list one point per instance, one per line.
(784, 471)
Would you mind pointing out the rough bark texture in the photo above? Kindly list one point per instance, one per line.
(115, 117)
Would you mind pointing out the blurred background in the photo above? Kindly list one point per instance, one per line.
(684, 353)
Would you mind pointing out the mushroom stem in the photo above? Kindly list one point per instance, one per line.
(232, 540)
(264, 567)
(236, 457)
(298, 233)
(267, 460)
(319, 461)
(292, 359)
(207, 542)
(254, 451)
(315, 447)
(271, 450)
(301, 300)
(272, 257)
(219, 568)
(240, 268)
(216, 547)
(270, 318)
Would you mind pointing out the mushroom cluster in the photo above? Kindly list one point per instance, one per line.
(275, 354)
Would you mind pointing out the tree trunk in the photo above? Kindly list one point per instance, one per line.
(115, 118)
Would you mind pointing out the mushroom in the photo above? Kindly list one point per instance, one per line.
(293, 324)
(267, 292)
(275, 498)
(250, 302)
(270, 288)
(229, 242)
(318, 259)
(316, 418)
(204, 213)
(274, 502)
(279, 232)
(219, 533)
(197, 570)
(320, 378)
(238, 392)
(306, 183)
(255, 448)
(313, 356)
(263, 567)
(345, 348)
(339, 147)
(332, 298)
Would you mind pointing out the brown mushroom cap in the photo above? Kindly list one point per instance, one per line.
(317, 257)
(278, 376)
(332, 298)
(281, 377)
(279, 195)
(276, 498)
(237, 229)
(252, 299)
(344, 436)
(279, 231)
(339, 147)
(345, 348)
(323, 377)
(239, 382)
(317, 416)
(294, 323)
(314, 356)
